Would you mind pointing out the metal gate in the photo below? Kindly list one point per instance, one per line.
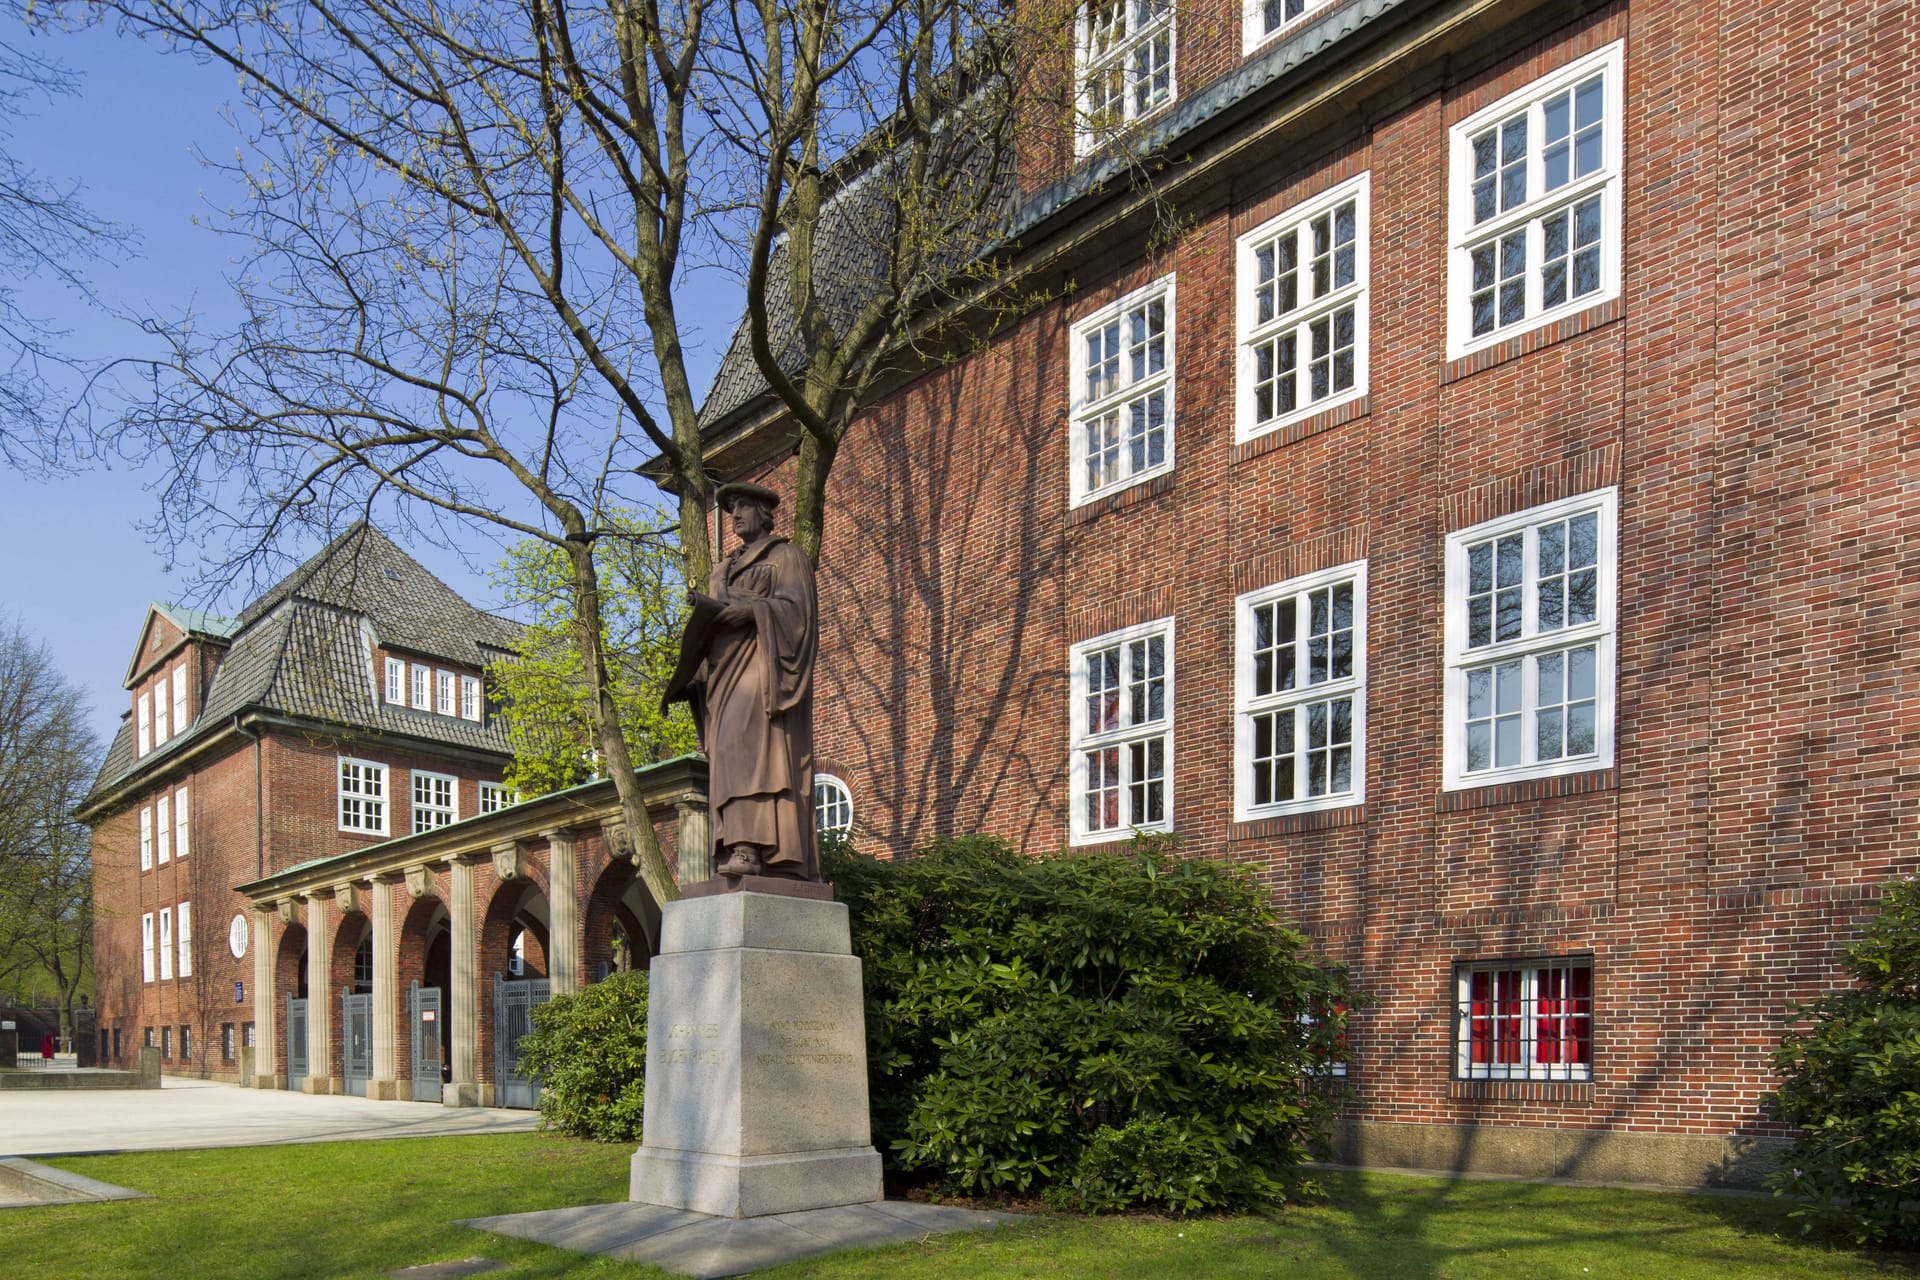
(356, 1048)
(513, 1003)
(424, 1015)
(296, 1042)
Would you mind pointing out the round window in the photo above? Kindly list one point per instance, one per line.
(832, 805)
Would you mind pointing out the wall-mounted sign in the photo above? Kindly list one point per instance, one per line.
(237, 936)
(426, 1015)
(239, 993)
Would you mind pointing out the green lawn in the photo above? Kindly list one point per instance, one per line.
(360, 1208)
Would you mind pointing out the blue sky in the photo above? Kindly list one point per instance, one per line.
(77, 571)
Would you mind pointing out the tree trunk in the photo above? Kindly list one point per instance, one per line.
(651, 862)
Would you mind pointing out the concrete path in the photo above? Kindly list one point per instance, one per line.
(201, 1113)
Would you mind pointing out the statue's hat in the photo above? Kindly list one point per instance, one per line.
(728, 494)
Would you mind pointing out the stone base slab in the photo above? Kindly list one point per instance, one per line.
(1583, 1155)
(754, 1186)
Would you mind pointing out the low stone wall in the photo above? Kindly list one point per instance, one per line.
(90, 1078)
(1656, 1159)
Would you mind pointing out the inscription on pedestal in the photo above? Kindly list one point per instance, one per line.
(684, 1047)
(808, 1042)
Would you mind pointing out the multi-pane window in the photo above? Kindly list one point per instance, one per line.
(1122, 409)
(166, 943)
(494, 797)
(396, 682)
(184, 924)
(445, 695)
(160, 731)
(186, 1043)
(1124, 64)
(363, 796)
(1122, 728)
(146, 948)
(163, 827)
(180, 698)
(1300, 677)
(180, 823)
(1530, 642)
(435, 800)
(832, 804)
(469, 697)
(1265, 18)
(1303, 310)
(226, 1042)
(146, 837)
(166, 1042)
(1524, 1021)
(1536, 203)
(143, 718)
(422, 687)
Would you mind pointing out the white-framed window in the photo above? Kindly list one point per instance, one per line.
(1122, 399)
(163, 827)
(470, 698)
(146, 837)
(422, 687)
(143, 721)
(1123, 65)
(363, 796)
(1302, 310)
(1531, 607)
(1534, 204)
(180, 698)
(832, 804)
(146, 949)
(1121, 769)
(1261, 20)
(396, 682)
(166, 943)
(1300, 682)
(436, 800)
(180, 823)
(160, 731)
(445, 697)
(494, 797)
(183, 924)
(1523, 1021)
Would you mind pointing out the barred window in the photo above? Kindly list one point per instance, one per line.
(1524, 1021)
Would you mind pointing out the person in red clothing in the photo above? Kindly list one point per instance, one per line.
(46, 1048)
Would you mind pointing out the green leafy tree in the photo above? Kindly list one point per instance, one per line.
(1851, 1082)
(642, 610)
(1113, 1029)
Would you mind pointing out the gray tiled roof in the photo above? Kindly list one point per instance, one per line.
(305, 649)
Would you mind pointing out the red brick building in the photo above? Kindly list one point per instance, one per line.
(1493, 519)
(343, 707)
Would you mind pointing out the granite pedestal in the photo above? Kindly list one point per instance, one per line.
(756, 1098)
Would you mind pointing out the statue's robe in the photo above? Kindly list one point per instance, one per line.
(755, 709)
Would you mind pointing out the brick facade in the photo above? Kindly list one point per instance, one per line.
(1749, 395)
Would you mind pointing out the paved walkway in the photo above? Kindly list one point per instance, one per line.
(201, 1113)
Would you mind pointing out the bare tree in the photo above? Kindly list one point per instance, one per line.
(48, 756)
(471, 237)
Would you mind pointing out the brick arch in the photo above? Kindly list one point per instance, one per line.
(619, 905)
(289, 979)
(424, 944)
(517, 905)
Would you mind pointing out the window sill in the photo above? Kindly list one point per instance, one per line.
(1132, 496)
(1499, 793)
(1294, 432)
(1281, 824)
(1099, 839)
(1577, 1092)
(1532, 340)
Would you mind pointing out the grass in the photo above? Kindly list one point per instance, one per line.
(361, 1208)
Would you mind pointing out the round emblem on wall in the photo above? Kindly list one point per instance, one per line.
(237, 935)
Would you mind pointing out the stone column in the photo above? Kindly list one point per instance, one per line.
(266, 1001)
(694, 838)
(386, 1010)
(319, 999)
(464, 1091)
(563, 913)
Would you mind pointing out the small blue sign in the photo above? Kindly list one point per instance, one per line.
(239, 993)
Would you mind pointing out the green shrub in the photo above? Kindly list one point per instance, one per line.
(1852, 1085)
(1109, 1029)
(589, 1052)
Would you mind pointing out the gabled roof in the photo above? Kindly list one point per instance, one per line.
(305, 650)
(189, 622)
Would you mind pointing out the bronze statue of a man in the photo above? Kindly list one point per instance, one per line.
(746, 670)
